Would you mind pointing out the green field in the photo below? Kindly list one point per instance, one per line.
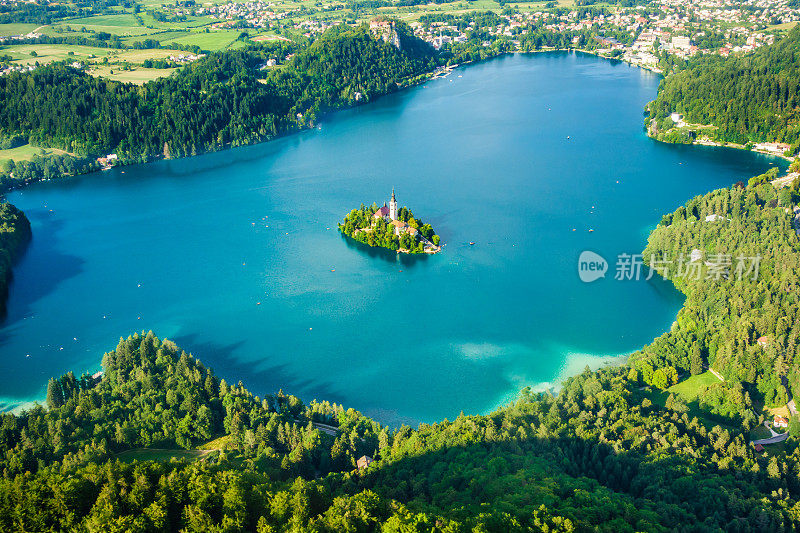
(26, 153)
(212, 41)
(785, 27)
(190, 22)
(137, 56)
(123, 31)
(138, 75)
(689, 389)
(16, 29)
(158, 454)
(46, 53)
(121, 20)
(217, 444)
(161, 37)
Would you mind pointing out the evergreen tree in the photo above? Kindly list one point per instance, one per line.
(696, 361)
(55, 397)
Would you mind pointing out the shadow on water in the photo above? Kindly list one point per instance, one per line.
(41, 268)
(260, 378)
(384, 254)
(265, 151)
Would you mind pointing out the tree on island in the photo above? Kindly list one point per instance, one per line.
(362, 225)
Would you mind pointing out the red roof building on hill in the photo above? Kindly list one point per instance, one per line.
(363, 462)
(780, 422)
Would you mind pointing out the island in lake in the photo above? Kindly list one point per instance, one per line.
(390, 227)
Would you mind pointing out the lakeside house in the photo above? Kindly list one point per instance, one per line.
(107, 161)
(771, 148)
(364, 461)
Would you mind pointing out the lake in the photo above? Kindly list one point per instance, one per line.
(236, 256)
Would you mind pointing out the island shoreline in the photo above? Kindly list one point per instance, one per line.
(621, 359)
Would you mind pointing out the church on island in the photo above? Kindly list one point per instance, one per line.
(389, 215)
(391, 227)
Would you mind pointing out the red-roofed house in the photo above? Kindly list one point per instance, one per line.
(363, 462)
(780, 422)
(382, 212)
(763, 341)
(399, 226)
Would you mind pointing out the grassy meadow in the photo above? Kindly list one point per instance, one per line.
(26, 153)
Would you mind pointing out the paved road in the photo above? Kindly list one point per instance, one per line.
(772, 440)
(325, 428)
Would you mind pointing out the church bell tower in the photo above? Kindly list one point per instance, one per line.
(393, 207)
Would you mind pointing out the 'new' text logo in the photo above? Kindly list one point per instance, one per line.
(591, 266)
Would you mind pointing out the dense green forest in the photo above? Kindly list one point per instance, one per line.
(596, 457)
(219, 101)
(752, 97)
(363, 227)
(15, 233)
(14, 174)
(600, 455)
(741, 311)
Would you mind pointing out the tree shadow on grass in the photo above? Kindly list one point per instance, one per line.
(584, 480)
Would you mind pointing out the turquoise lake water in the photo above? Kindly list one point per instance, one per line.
(511, 154)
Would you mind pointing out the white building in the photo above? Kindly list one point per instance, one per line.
(393, 207)
(681, 43)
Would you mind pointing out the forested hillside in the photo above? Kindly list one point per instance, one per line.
(598, 456)
(744, 328)
(15, 232)
(753, 97)
(224, 99)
